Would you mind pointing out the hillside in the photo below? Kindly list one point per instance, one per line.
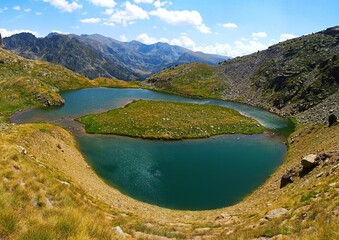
(299, 77)
(27, 83)
(98, 56)
(193, 79)
(48, 190)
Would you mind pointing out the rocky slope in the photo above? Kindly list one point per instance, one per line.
(299, 77)
(98, 56)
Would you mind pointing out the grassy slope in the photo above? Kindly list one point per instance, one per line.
(30, 182)
(27, 83)
(170, 120)
(39, 202)
(194, 80)
(88, 208)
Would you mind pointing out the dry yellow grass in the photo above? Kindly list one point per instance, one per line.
(88, 197)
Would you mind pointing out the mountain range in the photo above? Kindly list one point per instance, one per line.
(98, 56)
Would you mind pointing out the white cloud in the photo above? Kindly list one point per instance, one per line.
(123, 38)
(128, 15)
(7, 33)
(64, 5)
(143, 1)
(229, 25)
(109, 11)
(90, 20)
(3, 9)
(38, 13)
(159, 4)
(146, 39)
(59, 32)
(17, 8)
(204, 29)
(104, 3)
(183, 18)
(237, 48)
(183, 41)
(27, 10)
(286, 36)
(259, 34)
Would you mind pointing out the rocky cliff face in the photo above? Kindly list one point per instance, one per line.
(298, 77)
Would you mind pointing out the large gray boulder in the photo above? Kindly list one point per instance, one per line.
(309, 161)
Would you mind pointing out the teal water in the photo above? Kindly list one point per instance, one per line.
(191, 174)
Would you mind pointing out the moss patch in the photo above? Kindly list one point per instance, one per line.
(170, 120)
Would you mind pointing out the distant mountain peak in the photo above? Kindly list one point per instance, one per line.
(99, 56)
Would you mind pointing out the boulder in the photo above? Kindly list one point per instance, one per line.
(276, 213)
(285, 179)
(309, 161)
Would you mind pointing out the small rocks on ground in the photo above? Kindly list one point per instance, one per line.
(276, 213)
(22, 149)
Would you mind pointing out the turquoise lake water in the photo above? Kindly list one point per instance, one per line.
(190, 174)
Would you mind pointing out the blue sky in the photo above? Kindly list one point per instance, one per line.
(226, 27)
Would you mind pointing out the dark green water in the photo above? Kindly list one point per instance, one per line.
(193, 174)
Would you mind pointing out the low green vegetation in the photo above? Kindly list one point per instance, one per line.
(170, 120)
(113, 83)
(193, 80)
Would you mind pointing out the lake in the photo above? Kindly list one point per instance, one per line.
(190, 174)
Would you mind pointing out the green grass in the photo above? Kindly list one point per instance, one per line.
(170, 120)
(193, 80)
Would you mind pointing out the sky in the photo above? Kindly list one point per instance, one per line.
(225, 27)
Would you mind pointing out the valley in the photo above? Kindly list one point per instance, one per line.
(49, 189)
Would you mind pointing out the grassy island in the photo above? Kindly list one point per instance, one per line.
(170, 120)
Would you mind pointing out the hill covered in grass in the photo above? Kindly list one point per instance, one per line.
(28, 83)
(193, 80)
(298, 77)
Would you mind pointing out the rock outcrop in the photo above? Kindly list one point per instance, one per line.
(309, 161)
(306, 165)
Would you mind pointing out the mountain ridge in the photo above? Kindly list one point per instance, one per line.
(99, 56)
(298, 77)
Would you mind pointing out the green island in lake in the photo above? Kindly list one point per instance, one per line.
(170, 120)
